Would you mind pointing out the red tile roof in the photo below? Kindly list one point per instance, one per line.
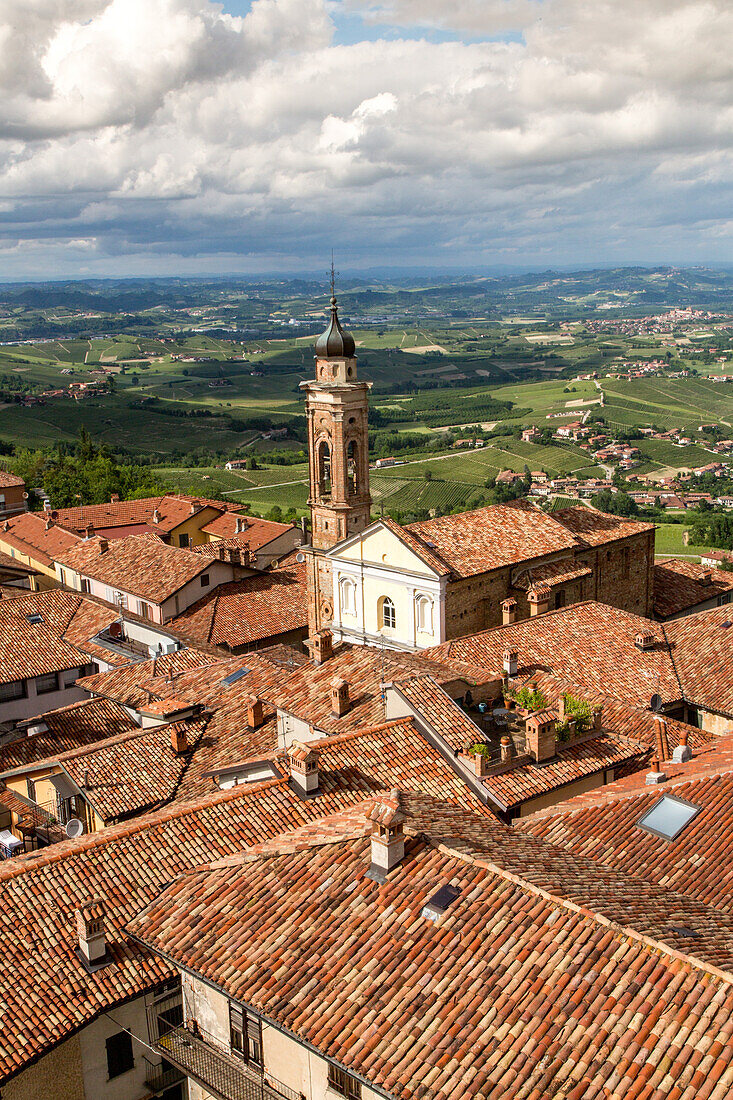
(140, 564)
(553, 573)
(130, 685)
(250, 610)
(525, 986)
(702, 648)
(488, 538)
(596, 528)
(439, 711)
(588, 645)
(67, 728)
(7, 480)
(680, 585)
(28, 534)
(172, 511)
(256, 534)
(603, 825)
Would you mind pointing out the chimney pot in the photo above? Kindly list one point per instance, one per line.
(255, 716)
(388, 839)
(508, 611)
(90, 930)
(683, 752)
(656, 775)
(506, 749)
(103, 546)
(322, 646)
(511, 662)
(339, 697)
(303, 762)
(179, 740)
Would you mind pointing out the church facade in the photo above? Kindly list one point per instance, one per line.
(375, 582)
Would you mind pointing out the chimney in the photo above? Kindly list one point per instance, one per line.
(508, 611)
(115, 498)
(506, 749)
(255, 716)
(539, 599)
(322, 646)
(339, 697)
(645, 639)
(179, 740)
(388, 839)
(656, 775)
(90, 932)
(241, 524)
(705, 577)
(303, 767)
(682, 753)
(540, 734)
(511, 662)
(194, 507)
(90, 531)
(597, 719)
(661, 744)
(156, 515)
(49, 523)
(103, 546)
(562, 709)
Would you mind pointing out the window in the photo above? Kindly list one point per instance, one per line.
(119, 1054)
(725, 598)
(85, 584)
(386, 615)
(245, 1035)
(351, 473)
(559, 599)
(146, 611)
(425, 614)
(204, 580)
(342, 1082)
(13, 690)
(323, 469)
(63, 575)
(44, 684)
(31, 788)
(348, 596)
(668, 817)
(184, 541)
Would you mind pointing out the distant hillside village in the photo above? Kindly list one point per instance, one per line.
(364, 809)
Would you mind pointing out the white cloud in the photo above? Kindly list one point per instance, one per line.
(158, 127)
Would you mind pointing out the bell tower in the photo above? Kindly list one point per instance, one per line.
(337, 409)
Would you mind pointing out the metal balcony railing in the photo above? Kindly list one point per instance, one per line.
(162, 1075)
(206, 1061)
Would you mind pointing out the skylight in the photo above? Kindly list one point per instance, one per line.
(35, 617)
(234, 676)
(668, 817)
(440, 901)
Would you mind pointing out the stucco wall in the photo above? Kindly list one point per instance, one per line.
(58, 1076)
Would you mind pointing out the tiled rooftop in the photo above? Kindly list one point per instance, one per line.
(33, 534)
(680, 585)
(244, 612)
(603, 825)
(702, 648)
(256, 533)
(436, 707)
(8, 480)
(597, 528)
(172, 511)
(70, 727)
(130, 685)
(553, 573)
(526, 986)
(488, 538)
(588, 645)
(141, 564)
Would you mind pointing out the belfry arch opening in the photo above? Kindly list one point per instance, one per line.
(352, 454)
(323, 469)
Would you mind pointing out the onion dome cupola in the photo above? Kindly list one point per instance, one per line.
(335, 343)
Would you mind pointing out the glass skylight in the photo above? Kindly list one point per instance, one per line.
(668, 817)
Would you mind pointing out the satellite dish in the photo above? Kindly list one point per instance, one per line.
(656, 703)
(74, 828)
(25, 496)
(300, 558)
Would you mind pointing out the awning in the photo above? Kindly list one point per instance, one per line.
(63, 785)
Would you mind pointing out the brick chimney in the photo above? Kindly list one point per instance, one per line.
(322, 646)
(540, 733)
(511, 662)
(388, 839)
(156, 515)
(103, 546)
(241, 524)
(661, 744)
(194, 507)
(539, 599)
(506, 749)
(90, 531)
(508, 611)
(179, 740)
(656, 775)
(645, 639)
(339, 697)
(255, 716)
(682, 753)
(597, 719)
(303, 761)
(91, 933)
(705, 577)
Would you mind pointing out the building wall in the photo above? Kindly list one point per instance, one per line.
(18, 709)
(12, 500)
(588, 783)
(192, 527)
(717, 724)
(46, 573)
(57, 1076)
(92, 1041)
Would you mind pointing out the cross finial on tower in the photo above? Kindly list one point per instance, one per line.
(333, 282)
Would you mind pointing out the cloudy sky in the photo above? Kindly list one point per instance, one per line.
(184, 136)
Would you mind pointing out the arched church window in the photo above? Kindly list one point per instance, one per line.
(386, 615)
(323, 468)
(348, 596)
(351, 456)
(424, 614)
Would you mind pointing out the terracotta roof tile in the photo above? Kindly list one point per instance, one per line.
(702, 648)
(680, 585)
(70, 727)
(28, 534)
(256, 533)
(172, 511)
(596, 528)
(553, 573)
(437, 708)
(249, 610)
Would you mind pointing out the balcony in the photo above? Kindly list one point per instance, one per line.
(205, 1060)
(162, 1076)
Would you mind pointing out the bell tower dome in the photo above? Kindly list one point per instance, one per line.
(337, 408)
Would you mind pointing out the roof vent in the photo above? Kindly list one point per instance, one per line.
(440, 902)
(90, 930)
(388, 838)
(645, 639)
(303, 762)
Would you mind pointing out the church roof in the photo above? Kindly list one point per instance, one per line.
(334, 341)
